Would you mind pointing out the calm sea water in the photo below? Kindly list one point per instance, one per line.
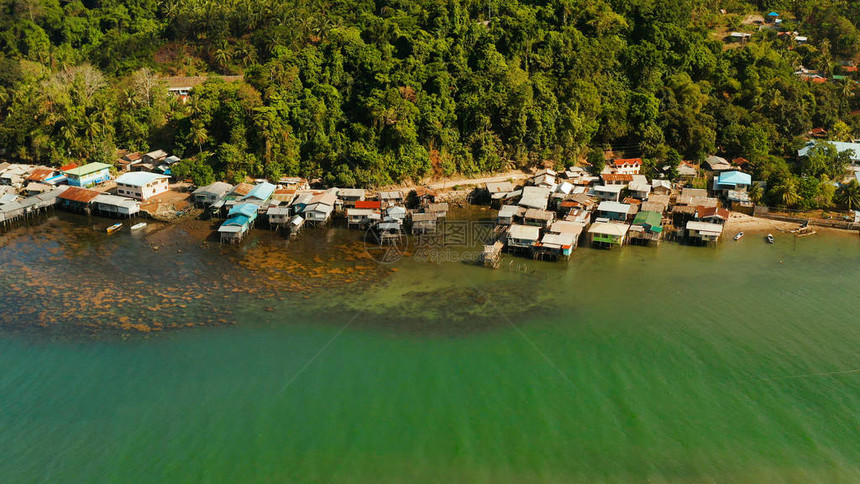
(310, 363)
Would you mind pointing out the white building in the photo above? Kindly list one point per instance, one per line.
(141, 185)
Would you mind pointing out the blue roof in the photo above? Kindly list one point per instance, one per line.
(138, 178)
(247, 209)
(734, 178)
(841, 146)
(237, 220)
(261, 192)
(773, 14)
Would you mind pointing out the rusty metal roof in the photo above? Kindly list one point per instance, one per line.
(81, 195)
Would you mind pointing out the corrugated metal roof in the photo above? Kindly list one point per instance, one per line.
(614, 207)
(87, 169)
(80, 195)
(263, 191)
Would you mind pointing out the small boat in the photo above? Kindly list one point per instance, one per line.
(769, 238)
(113, 228)
(739, 235)
(138, 226)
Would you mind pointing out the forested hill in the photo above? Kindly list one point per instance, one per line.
(370, 92)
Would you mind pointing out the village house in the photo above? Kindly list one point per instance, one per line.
(661, 187)
(115, 206)
(35, 188)
(424, 195)
(239, 221)
(141, 185)
(362, 217)
(718, 163)
(278, 216)
(48, 176)
(568, 229)
(499, 191)
(522, 237)
(609, 193)
(350, 195)
(538, 218)
(209, 194)
(261, 192)
(392, 197)
(76, 199)
(128, 160)
(320, 207)
(613, 211)
(712, 215)
(154, 157)
(732, 180)
(510, 214)
(423, 223)
(608, 234)
(556, 245)
(647, 228)
(293, 183)
(656, 203)
(629, 166)
(15, 175)
(535, 197)
(440, 210)
(703, 232)
(622, 179)
(687, 170)
(88, 175)
(579, 216)
(639, 188)
(545, 180)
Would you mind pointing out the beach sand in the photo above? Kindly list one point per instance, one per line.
(741, 222)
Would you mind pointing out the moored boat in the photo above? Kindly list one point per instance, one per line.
(739, 235)
(138, 226)
(113, 228)
(769, 238)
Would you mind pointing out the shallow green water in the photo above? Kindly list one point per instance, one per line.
(679, 364)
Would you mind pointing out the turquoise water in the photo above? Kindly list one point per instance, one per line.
(680, 364)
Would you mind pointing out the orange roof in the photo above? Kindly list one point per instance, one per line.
(627, 161)
(849, 68)
(243, 189)
(70, 166)
(76, 194)
(740, 160)
(40, 174)
(372, 204)
(617, 177)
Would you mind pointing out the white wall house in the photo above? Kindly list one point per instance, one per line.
(141, 185)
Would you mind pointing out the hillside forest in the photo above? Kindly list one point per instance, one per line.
(374, 92)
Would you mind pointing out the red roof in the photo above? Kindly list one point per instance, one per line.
(76, 194)
(40, 174)
(70, 166)
(849, 68)
(707, 212)
(740, 161)
(372, 204)
(627, 161)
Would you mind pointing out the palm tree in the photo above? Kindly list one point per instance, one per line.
(755, 192)
(199, 135)
(787, 192)
(849, 195)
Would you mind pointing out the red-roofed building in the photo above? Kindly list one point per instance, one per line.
(370, 204)
(40, 174)
(818, 133)
(629, 166)
(70, 166)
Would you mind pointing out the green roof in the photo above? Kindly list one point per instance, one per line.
(87, 169)
(652, 219)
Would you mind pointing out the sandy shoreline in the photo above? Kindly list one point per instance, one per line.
(741, 222)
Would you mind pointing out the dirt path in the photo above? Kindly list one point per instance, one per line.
(512, 175)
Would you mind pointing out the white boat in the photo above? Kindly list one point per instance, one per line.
(739, 235)
(769, 238)
(138, 226)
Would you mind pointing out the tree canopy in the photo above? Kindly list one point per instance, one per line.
(369, 93)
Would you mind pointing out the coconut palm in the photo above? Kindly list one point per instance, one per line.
(849, 195)
(786, 192)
